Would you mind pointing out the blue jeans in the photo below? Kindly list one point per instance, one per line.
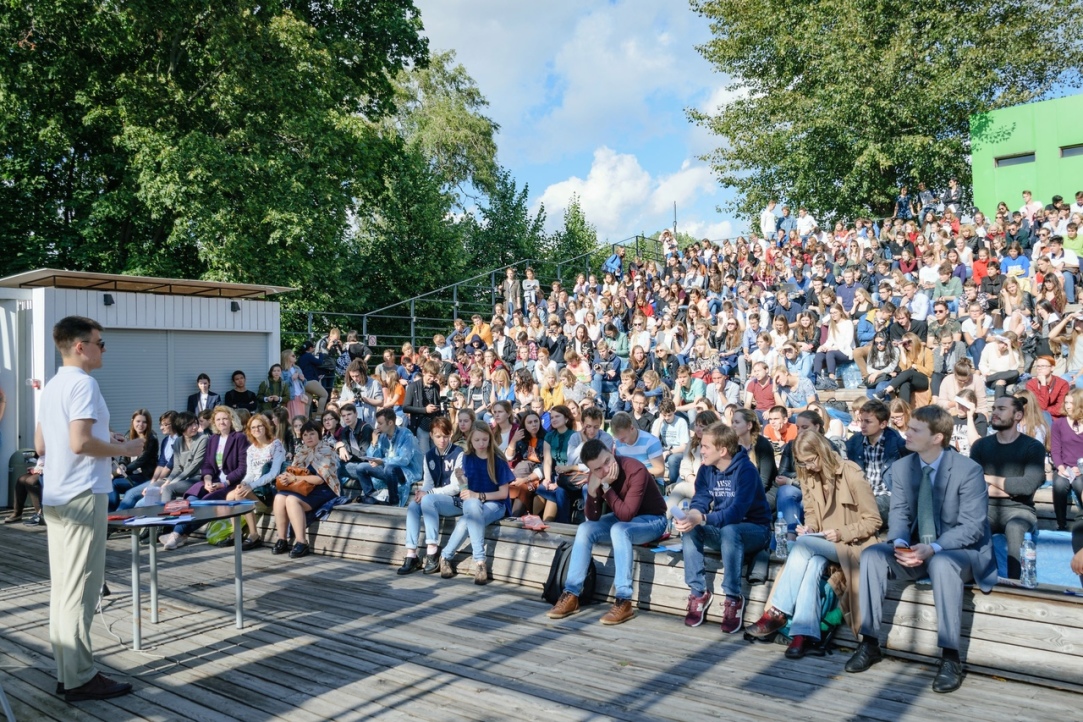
(673, 468)
(605, 391)
(558, 496)
(431, 508)
(475, 517)
(734, 541)
(788, 503)
(622, 535)
(797, 590)
(1069, 285)
(132, 497)
(121, 485)
(387, 477)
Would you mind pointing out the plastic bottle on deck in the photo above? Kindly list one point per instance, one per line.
(781, 540)
(1028, 562)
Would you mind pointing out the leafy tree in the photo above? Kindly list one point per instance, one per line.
(840, 101)
(576, 237)
(440, 114)
(504, 231)
(219, 140)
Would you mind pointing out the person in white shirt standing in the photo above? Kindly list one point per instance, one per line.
(769, 223)
(73, 436)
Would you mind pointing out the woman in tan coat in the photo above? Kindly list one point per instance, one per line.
(841, 519)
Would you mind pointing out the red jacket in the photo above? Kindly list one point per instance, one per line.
(1051, 397)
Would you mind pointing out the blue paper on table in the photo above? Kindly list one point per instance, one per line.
(156, 520)
(216, 502)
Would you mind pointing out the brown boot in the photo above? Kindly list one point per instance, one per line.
(621, 611)
(567, 605)
(446, 570)
(771, 621)
(481, 573)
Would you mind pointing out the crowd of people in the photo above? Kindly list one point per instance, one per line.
(683, 396)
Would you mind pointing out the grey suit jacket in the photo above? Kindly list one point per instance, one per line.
(962, 504)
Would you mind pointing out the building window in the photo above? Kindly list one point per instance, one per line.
(1071, 151)
(1015, 160)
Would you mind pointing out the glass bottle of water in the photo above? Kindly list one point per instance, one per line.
(1028, 563)
(781, 538)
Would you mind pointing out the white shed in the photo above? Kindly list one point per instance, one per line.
(160, 334)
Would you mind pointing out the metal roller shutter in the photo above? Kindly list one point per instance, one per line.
(217, 354)
(134, 375)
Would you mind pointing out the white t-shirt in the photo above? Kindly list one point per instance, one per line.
(69, 396)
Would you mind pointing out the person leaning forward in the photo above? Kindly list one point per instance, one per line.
(638, 517)
(939, 525)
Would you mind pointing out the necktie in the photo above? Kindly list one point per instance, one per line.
(926, 513)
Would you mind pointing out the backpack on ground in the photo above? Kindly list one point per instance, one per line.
(558, 575)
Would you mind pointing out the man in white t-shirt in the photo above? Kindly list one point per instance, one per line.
(768, 221)
(73, 437)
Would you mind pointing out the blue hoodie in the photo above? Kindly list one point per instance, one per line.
(732, 496)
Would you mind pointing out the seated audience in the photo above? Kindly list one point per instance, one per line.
(294, 501)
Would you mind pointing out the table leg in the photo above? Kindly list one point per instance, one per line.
(137, 622)
(238, 581)
(154, 575)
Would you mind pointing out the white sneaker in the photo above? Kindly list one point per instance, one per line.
(173, 541)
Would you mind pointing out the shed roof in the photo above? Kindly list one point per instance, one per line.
(53, 278)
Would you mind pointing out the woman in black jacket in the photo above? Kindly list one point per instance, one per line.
(132, 472)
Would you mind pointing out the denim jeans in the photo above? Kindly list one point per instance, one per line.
(673, 468)
(734, 541)
(622, 536)
(132, 497)
(121, 485)
(558, 496)
(431, 508)
(475, 517)
(389, 477)
(788, 503)
(1069, 285)
(797, 590)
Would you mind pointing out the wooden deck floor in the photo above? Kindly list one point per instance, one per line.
(335, 639)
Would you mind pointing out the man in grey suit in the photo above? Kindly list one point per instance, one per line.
(938, 525)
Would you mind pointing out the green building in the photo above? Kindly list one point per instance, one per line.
(1036, 147)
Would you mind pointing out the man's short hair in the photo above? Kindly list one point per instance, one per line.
(388, 415)
(431, 367)
(876, 408)
(348, 406)
(236, 373)
(667, 407)
(203, 377)
(206, 414)
(595, 414)
(938, 420)
(592, 450)
(723, 437)
(441, 424)
(779, 410)
(621, 421)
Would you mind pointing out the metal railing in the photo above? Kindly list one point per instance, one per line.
(424, 315)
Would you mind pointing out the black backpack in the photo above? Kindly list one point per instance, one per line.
(558, 575)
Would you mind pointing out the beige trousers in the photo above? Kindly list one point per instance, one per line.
(77, 532)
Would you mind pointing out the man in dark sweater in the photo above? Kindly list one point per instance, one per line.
(638, 516)
(1014, 466)
(422, 404)
(729, 512)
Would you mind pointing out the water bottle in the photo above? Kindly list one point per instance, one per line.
(153, 495)
(1028, 563)
(1079, 466)
(781, 538)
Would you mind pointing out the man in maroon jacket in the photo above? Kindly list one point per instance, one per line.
(638, 516)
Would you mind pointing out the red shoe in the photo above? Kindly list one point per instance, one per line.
(733, 615)
(798, 647)
(697, 608)
(771, 621)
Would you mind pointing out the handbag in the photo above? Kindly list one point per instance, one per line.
(304, 488)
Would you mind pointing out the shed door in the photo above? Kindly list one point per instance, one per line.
(134, 375)
(217, 354)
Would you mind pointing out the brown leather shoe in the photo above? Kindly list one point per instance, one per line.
(771, 621)
(621, 611)
(567, 605)
(481, 573)
(446, 570)
(99, 687)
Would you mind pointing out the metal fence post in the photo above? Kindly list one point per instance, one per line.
(309, 325)
(558, 273)
(413, 323)
(365, 329)
(492, 285)
(637, 246)
(455, 301)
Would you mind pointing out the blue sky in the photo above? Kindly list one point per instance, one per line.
(591, 99)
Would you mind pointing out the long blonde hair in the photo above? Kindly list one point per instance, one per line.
(1033, 419)
(809, 443)
(493, 452)
(754, 428)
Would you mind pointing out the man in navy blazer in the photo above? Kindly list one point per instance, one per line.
(938, 527)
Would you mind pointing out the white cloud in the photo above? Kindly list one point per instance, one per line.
(621, 198)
